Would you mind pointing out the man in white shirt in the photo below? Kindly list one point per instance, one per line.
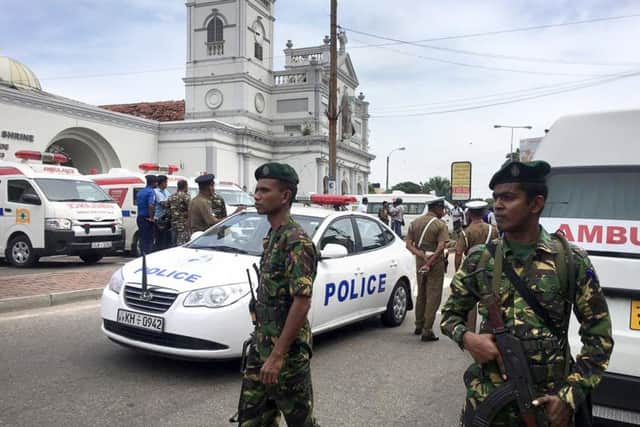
(362, 207)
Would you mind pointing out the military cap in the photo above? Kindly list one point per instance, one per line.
(514, 171)
(477, 205)
(436, 201)
(205, 179)
(279, 171)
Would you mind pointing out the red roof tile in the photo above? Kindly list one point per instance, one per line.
(163, 111)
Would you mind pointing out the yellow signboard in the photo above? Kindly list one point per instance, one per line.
(460, 180)
(635, 315)
(23, 216)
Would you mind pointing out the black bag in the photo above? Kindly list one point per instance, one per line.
(164, 222)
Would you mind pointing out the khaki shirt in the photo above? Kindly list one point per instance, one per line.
(200, 215)
(437, 232)
(475, 234)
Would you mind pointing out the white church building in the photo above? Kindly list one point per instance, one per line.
(238, 112)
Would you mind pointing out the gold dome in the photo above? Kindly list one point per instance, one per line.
(18, 75)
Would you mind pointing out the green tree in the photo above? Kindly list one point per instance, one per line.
(408, 187)
(440, 184)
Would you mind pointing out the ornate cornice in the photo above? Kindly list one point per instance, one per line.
(60, 105)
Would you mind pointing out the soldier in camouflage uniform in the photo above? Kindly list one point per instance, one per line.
(179, 207)
(562, 385)
(278, 376)
(218, 207)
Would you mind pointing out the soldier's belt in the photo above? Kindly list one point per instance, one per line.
(551, 372)
(535, 345)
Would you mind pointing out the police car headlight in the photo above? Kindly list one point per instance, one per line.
(57, 224)
(116, 281)
(217, 296)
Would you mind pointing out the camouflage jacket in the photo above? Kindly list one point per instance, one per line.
(179, 207)
(546, 353)
(287, 269)
(218, 208)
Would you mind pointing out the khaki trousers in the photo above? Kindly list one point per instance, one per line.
(429, 298)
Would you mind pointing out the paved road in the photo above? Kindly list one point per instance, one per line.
(59, 370)
(58, 264)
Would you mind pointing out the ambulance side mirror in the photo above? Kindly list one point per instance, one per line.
(333, 250)
(195, 235)
(30, 199)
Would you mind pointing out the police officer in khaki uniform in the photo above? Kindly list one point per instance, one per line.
(200, 214)
(477, 232)
(426, 239)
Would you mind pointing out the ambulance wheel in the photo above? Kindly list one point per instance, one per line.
(20, 252)
(91, 258)
(135, 247)
(397, 305)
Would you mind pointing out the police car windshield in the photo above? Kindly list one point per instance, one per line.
(69, 190)
(235, 198)
(243, 233)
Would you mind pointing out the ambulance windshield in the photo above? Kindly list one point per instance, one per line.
(69, 190)
(235, 198)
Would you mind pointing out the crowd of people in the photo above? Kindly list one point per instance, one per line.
(166, 220)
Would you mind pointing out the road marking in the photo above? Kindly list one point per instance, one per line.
(66, 309)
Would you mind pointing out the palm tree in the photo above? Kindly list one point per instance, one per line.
(440, 184)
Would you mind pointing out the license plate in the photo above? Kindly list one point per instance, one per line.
(139, 320)
(100, 245)
(635, 315)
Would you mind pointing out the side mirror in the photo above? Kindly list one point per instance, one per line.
(31, 199)
(195, 235)
(333, 250)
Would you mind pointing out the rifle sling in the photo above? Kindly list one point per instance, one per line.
(521, 287)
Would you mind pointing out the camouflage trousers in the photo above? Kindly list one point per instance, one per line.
(181, 233)
(261, 405)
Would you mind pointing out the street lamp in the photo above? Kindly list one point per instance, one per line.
(512, 128)
(395, 149)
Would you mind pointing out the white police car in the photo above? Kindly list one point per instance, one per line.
(196, 304)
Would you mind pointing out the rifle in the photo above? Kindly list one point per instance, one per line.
(518, 386)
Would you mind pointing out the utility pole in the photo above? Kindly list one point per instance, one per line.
(333, 99)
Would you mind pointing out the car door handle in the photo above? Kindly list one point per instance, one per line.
(393, 264)
(8, 210)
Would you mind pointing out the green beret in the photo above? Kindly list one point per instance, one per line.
(514, 171)
(279, 171)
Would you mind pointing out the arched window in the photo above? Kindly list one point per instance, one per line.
(214, 30)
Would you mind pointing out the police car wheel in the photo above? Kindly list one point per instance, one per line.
(397, 305)
(91, 258)
(20, 252)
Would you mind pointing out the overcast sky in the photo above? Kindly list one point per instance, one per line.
(108, 48)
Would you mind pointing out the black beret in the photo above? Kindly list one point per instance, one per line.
(205, 179)
(514, 171)
(279, 171)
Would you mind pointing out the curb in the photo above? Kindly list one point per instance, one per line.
(39, 301)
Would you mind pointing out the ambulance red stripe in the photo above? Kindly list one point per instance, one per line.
(118, 181)
(10, 171)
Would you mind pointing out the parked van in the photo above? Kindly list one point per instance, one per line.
(49, 209)
(414, 205)
(123, 185)
(594, 197)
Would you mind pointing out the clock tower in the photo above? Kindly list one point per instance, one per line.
(229, 59)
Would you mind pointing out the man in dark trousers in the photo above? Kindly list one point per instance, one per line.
(145, 202)
(538, 279)
(278, 372)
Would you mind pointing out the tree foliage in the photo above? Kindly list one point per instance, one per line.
(440, 184)
(408, 187)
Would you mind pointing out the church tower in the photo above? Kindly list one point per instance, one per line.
(229, 59)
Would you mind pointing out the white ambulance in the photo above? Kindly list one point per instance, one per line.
(49, 209)
(123, 185)
(594, 197)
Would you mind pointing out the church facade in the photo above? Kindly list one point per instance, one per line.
(238, 111)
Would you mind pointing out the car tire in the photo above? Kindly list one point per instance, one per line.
(134, 251)
(20, 252)
(397, 306)
(91, 258)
